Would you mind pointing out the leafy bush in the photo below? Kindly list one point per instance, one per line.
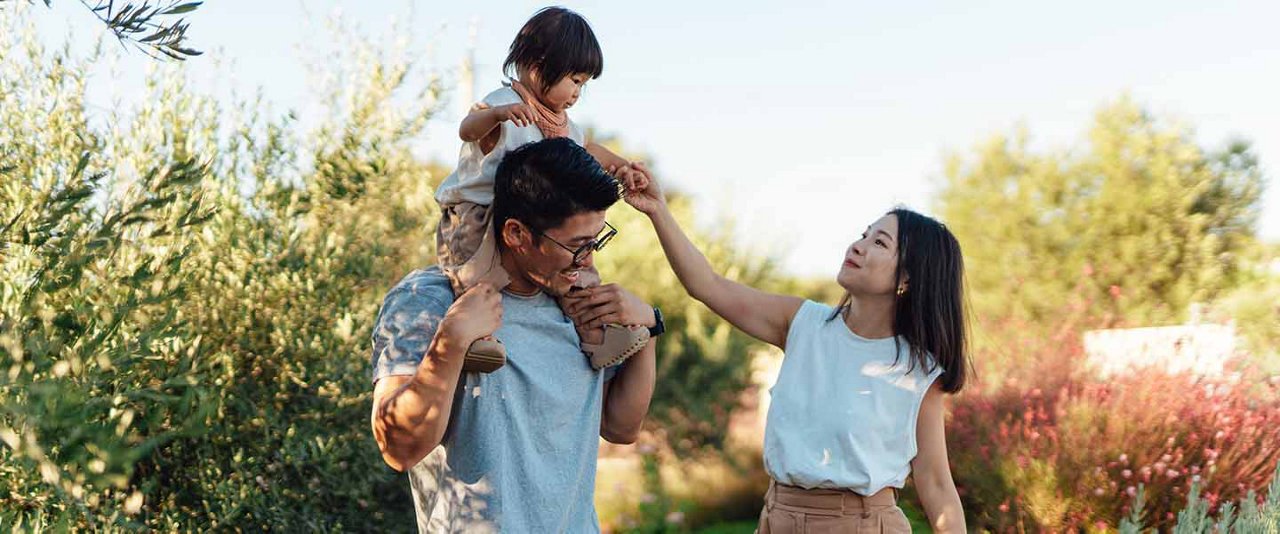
(186, 296)
(1054, 449)
(1248, 517)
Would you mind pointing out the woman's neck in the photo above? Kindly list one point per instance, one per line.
(870, 317)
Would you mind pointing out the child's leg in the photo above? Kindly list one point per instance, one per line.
(468, 256)
(466, 248)
(611, 344)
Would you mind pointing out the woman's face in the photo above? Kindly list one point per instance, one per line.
(871, 261)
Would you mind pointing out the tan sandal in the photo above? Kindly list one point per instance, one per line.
(620, 342)
(485, 355)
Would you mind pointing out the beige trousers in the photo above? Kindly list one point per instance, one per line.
(793, 510)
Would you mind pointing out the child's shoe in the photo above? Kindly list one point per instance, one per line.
(485, 355)
(618, 344)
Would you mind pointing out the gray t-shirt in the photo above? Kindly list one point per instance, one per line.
(519, 454)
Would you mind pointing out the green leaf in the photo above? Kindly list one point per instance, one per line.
(184, 8)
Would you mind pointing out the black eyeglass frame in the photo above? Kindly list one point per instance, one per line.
(595, 245)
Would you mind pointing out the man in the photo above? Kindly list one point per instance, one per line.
(513, 450)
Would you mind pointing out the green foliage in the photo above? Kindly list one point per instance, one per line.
(151, 28)
(186, 296)
(1252, 515)
(1254, 307)
(1134, 229)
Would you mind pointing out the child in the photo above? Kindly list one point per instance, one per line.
(552, 57)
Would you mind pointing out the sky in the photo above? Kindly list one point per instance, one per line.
(802, 121)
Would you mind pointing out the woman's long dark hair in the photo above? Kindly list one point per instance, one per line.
(930, 315)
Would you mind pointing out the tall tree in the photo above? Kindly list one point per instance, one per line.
(1130, 230)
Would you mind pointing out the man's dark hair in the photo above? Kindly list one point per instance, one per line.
(545, 182)
(556, 42)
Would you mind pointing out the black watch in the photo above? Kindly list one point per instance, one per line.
(659, 327)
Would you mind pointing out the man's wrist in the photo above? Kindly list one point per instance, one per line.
(659, 326)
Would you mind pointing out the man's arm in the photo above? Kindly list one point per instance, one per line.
(627, 396)
(411, 412)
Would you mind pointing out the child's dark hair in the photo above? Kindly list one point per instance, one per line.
(556, 42)
(545, 182)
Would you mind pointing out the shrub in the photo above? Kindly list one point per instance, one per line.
(1056, 450)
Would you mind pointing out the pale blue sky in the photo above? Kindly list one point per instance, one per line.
(806, 120)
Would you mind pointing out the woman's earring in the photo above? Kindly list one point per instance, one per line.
(902, 290)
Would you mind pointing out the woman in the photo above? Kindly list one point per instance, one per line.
(858, 405)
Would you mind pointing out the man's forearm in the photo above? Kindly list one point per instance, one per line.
(409, 420)
(629, 395)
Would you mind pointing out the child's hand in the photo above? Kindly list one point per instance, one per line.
(520, 114)
(640, 178)
(641, 189)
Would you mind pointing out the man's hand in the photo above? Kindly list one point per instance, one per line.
(607, 304)
(477, 313)
(520, 114)
(640, 189)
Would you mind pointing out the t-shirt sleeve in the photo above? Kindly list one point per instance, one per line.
(404, 330)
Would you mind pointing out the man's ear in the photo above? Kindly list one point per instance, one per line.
(515, 235)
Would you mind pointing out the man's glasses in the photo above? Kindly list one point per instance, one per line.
(596, 244)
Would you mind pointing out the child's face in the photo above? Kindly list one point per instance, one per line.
(564, 94)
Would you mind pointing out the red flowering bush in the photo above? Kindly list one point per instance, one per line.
(1050, 448)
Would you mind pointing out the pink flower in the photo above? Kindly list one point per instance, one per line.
(1126, 473)
(1131, 491)
(1171, 473)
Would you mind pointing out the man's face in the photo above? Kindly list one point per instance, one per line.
(548, 265)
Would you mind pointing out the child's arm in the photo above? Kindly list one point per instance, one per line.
(482, 122)
(610, 161)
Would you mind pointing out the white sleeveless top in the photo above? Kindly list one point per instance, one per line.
(842, 413)
(472, 181)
